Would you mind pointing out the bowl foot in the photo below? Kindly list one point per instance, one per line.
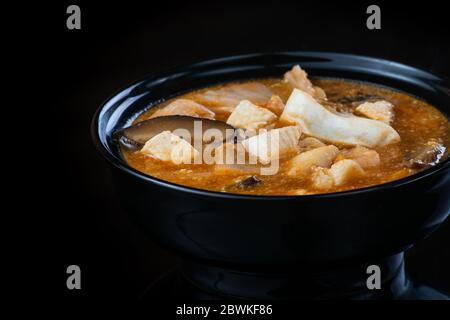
(198, 281)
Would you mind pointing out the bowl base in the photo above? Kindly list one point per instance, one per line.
(203, 282)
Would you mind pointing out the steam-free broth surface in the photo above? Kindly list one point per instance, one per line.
(416, 122)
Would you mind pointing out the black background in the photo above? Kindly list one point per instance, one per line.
(120, 43)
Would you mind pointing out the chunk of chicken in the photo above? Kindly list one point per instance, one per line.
(320, 157)
(319, 122)
(273, 144)
(321, 178)
(365, 157)
(275, 104)
(230, 153)
(298, 78)
(249, 116)
(225, 153)
(344, 171)
(340, 173)
(166, 146)
(379, 110)
(310, 143)
(184, 107)
(227, 98)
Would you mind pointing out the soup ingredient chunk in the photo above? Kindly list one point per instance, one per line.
(273, 144)
(248, 182)
(245, 182)
(427, 155)
(319, 122)
(298, 78)
(184, 107)
(320, 157)
(228, 98)
(230, 153)
(249, 116)
(379, 110)
(275, 104)
(365, 157)
(138, 134)
(322, 178)
(310, 143)
(345, 170)
(340, 173)
(169, 147)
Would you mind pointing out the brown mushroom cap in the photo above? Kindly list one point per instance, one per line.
(137, 135)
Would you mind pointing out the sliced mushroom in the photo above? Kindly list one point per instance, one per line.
(187, 127)
(355, 99)
(243, 183)
(248, 182)
(427, 156)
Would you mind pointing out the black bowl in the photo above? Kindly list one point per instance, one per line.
(272, 234)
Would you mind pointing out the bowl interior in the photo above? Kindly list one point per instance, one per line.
(122, 108)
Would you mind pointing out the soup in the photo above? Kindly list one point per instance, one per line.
(289, 136)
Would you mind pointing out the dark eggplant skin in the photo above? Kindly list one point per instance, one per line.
(270, 235)
(135, 136)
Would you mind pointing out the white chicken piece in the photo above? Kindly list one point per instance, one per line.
(275, 104)
(345, 170)
(379, 110)
(166, 146)
(310, 143)
(341, 172)
(365, 157)
(302, 164)
(298, 78)
(184, 107)
(224, 152)
(272, 144)
(321, 178)
(227, 98)
(249, 116)
(317, 121)
(230, 153)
